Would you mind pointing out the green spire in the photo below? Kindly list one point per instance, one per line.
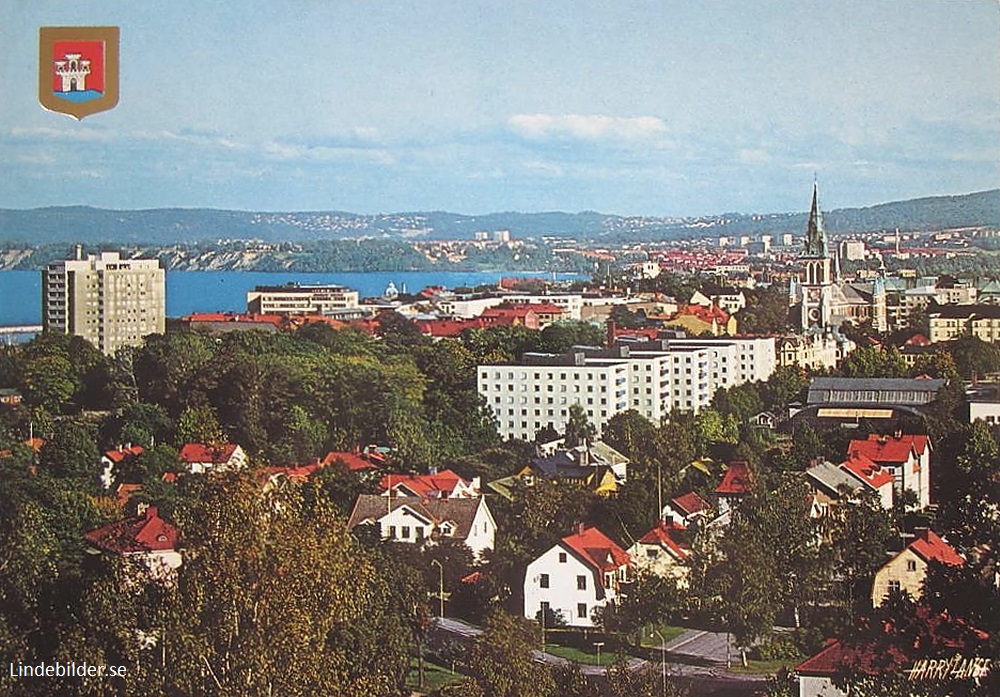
(815, 234)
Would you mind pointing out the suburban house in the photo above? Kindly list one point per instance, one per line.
(663, 551)
(113, 458)
(907, 570)
(199, 458)
(832, 484)
(686, 508)
(907, 457)
(581, 573)
(445, 484)
(417, 520)
(736, 484)
(732, 300)
(146, 537)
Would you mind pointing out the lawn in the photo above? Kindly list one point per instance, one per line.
(755, 667)
(576, 655)
(435, 676)
(669, 632)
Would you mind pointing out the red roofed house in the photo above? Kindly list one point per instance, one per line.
(584, 571)
(663, 552)
(113, 458)
(147, 537)
(436, 485)
(510, 315)
(199, 458)
(736, 483)
(897, 651)
(906, 571)
(698, 319)
(685, 508)
(872, 475)
(908, 457)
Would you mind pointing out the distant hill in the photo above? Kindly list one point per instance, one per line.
(166, 226)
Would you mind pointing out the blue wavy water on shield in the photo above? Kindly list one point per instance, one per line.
(84, 96)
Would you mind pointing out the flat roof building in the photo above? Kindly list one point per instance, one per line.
(109, 301)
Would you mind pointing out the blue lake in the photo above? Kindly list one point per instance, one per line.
(225, 291)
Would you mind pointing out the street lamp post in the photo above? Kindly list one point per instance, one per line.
(663, 659)
(440, 587)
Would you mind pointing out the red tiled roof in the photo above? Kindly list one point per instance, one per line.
(501, 311)
(117, 456)
(200, 452)
(298, 473)
(690, 503)
(896, 648)
(597, 549)
(125, 491)
(429, 485)
(705, 314)
(661, 535)
(736, 480)
(894, 449)
(862, 467)
(929, 545)
(836, 657)
(448, 327)
(146, 533)
(354, 461)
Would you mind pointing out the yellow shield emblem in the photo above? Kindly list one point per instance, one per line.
(78, 69)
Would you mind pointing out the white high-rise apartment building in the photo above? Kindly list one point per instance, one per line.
(652, 377)
(539, 391)
(109, 301)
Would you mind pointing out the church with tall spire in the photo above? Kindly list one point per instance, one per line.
(820, 299)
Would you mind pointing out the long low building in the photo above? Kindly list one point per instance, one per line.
(652, 378)
(912, 392)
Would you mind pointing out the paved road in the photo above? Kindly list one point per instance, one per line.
(694, 654)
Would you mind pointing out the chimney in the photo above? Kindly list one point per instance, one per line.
(611, 332)
(580, 527)
(79, 252)
(142, 510)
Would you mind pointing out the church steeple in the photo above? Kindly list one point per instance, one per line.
(815, 234)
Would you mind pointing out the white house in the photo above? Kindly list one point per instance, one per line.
(418, 520)
(199, 458)
(663, 552)
(581, 573)
(113, 458)
(907, 457)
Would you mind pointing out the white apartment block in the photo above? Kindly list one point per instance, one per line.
(539, 391)
(295, 299)
(109, 301)
(467, 308)
(572, 304)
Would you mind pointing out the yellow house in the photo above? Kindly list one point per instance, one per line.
(907, 570)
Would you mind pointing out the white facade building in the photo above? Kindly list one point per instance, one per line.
(581, 573)
(109, 301)
(652, 377)
(295, 299)
(571, 303)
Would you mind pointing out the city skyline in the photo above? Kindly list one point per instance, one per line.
(639, 108)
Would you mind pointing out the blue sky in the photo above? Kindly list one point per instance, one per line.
(655, 107)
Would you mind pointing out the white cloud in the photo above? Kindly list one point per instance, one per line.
(582, 127)
(753, 156)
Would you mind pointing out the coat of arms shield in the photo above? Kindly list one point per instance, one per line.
(78, 69)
